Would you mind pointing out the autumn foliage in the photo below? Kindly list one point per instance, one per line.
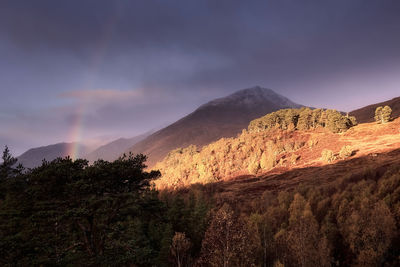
(269, 142)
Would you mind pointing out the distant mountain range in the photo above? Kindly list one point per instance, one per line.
(34, 156)
(222, 117)
(367, 114)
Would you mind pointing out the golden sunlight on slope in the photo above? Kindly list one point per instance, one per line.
(274, 152)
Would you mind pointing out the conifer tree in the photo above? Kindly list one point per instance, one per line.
(386, 114)
(378, 114)
(6, 167)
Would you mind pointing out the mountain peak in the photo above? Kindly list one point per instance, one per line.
(252, 96)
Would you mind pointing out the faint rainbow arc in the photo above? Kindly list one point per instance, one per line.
(77, 129)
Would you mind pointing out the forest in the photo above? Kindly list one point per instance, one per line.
(67, 212)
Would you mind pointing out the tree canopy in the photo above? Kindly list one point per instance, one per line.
(303, 119)
(383, 114)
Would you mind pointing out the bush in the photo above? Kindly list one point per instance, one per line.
(294, 158)
(345, 152)
(327, 155)
(268, 160)
(253, 167)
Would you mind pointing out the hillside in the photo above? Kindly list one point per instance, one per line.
(111, 151)
(223, 117)
(34, 156)
(274, 150)
(366, 114)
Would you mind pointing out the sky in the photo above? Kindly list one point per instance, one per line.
(94, 70)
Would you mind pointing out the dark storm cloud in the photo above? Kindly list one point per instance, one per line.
(176, 43)
(179, 54)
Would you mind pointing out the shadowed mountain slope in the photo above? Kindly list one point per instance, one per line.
(34, 156)
(222, 117)
(111, 151)
(366, 114)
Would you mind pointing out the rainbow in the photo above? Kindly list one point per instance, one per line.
(77, 129)
(73, 150)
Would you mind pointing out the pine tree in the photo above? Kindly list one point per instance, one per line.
(378, 115)
(6, 167)
(386, 114)
(305, 119)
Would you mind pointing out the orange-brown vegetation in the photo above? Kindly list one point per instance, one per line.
(274, 151)
(249, 153)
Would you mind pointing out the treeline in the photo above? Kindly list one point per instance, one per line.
(303, 119)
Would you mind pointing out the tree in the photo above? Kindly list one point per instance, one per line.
(378, 114)
(180, 249)
(66, 212)
(6, 167)
(262, 226)
(305, 119)
(227, 241)
(369, 231)
(383, 114)
(306, 245)
(386, 114)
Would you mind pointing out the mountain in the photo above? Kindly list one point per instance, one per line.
(114, 149)
(367, 114)
(222, 117)
(34, 156)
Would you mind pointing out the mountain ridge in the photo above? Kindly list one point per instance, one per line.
(112, 150)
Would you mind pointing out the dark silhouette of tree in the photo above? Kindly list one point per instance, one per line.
(7, 169)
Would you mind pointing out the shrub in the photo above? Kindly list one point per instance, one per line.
(268, 160)
(253, 167)
(327, 155)
(294, 158)
(345, 152)
(312, 143)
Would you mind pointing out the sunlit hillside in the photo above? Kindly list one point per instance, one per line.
(277, 149)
